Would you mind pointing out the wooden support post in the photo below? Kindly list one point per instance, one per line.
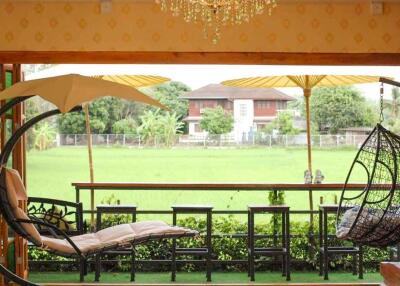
(3, 223)
(19, 164)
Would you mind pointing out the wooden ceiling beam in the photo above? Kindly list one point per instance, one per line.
(249, 58)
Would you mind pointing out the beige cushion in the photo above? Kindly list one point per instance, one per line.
(28, 227)
(15, 192)
(115, 236)
(15, 187)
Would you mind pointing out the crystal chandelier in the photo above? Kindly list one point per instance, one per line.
(213, 14)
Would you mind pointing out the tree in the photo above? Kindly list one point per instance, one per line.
(216, 121)
(99, 111)
(394, 103)
(333, 108)
(44, 136)
(163, 127)
(150, 127)
(169, 95)
(125, 126)
(283, 123)
(170, 127)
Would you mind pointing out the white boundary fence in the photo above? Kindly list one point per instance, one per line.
(256, 139)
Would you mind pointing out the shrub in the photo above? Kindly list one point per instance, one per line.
(230, 248)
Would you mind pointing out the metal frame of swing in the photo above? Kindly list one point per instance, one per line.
(15, 223)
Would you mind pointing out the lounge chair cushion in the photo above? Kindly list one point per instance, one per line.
(15, 187)
(16, 192)
(28, 227)
(120, 235)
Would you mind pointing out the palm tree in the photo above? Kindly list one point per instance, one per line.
(171, 126)
(394, 103)
(44, 136)
(150, 127)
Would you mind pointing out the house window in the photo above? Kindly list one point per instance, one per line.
(280, 105)
(197, 127)
(243, 110)
(262, 104)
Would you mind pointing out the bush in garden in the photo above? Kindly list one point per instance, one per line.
(229, 248)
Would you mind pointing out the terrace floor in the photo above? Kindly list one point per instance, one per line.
(199, 278)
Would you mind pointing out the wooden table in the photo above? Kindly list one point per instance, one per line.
(391, 273)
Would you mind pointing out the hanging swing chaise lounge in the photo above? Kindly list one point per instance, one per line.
(11, 186)
(372, 216)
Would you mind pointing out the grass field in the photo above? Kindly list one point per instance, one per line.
(199, 277)
(51, 173)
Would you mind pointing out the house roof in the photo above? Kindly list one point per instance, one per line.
(219, 91)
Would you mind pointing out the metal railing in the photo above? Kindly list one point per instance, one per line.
(215, 187)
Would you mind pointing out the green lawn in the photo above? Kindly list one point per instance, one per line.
(197, 277)
(51, 172)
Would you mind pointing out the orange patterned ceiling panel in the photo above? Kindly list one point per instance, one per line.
(305, 27)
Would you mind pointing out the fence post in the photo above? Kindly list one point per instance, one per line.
(139, 141)
(107, 139)
(123, 140)
(337, 141)
(320, 141)
(270, 140)
(286, 143)
(204, 140)
(58, 140)
(75, 140)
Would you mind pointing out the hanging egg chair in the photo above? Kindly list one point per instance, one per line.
(372, 216)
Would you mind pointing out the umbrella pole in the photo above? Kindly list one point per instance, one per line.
(307, 94)
(91, 172)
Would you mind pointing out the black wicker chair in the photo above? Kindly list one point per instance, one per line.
(372, 216)
(23, 224)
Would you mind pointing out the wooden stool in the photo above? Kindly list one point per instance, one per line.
(283, 251)
(115, 209)
(199, 251)
(325, 250)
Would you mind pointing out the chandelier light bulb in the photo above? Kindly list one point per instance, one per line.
(212, 14)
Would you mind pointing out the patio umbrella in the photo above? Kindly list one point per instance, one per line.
(307, 83)
(134, 81)
(68, 91)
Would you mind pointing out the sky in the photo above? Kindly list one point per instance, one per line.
(197, 76)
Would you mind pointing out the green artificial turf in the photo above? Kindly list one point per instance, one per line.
(199, 277)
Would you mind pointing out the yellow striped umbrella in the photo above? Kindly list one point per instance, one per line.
(307, 83)
(135, 80)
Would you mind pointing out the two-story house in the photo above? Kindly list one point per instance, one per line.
(252, 108)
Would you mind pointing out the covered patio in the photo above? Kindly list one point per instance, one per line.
(330, 33)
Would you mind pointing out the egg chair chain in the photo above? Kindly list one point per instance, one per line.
(381, 117)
